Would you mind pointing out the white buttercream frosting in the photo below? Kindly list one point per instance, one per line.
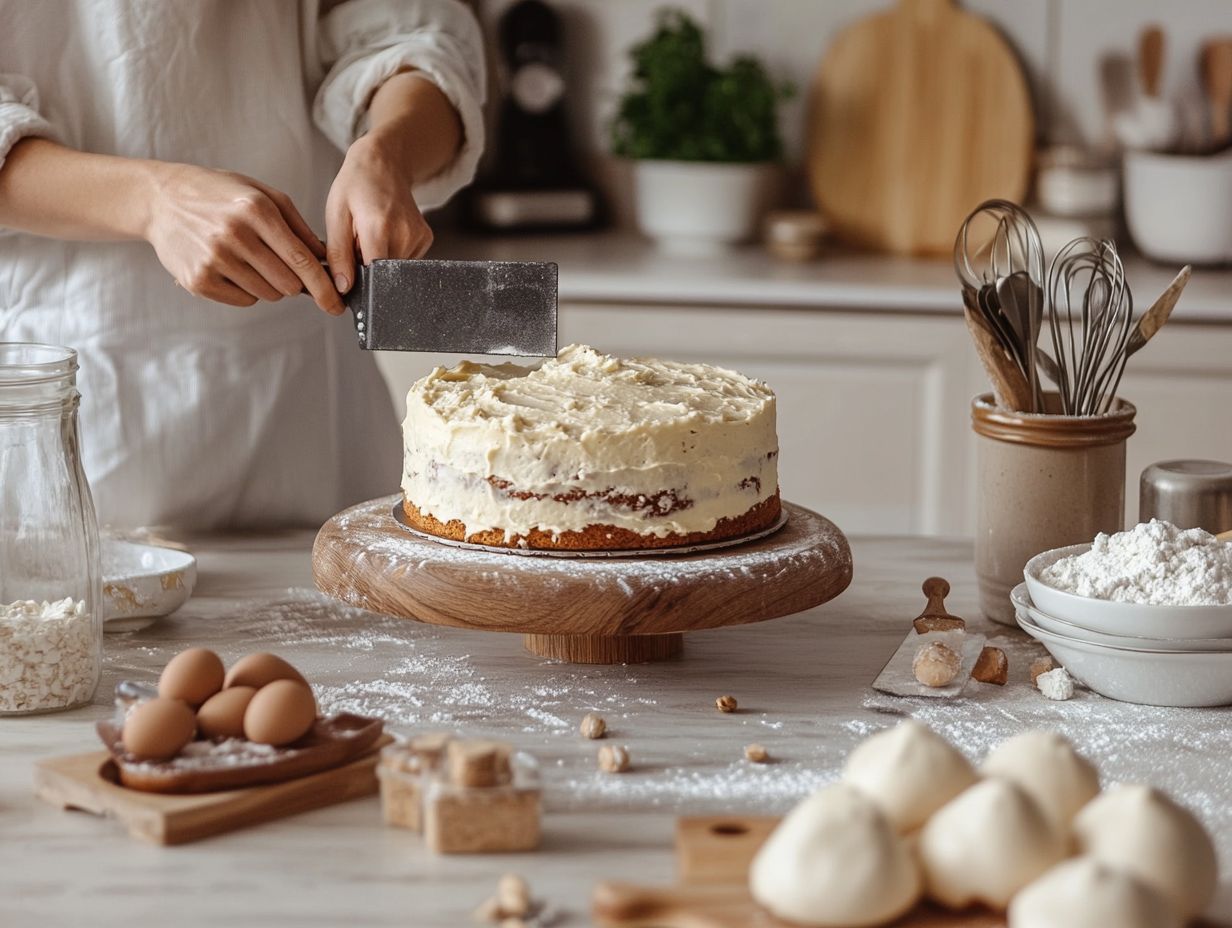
(683, 445)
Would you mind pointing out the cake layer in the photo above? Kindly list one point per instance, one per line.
(656, 448)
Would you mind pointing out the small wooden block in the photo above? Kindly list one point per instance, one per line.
(89, 782)
(478, 763)
(458, 820)
(718, 848)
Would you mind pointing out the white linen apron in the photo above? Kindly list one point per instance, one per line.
(194, 413)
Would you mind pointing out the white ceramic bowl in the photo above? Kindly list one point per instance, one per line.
(1168, 206)
(1116, 618)
(1023, 605)
(142, 582)
(1149, 678)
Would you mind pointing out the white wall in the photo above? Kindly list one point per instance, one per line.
(1067, 46)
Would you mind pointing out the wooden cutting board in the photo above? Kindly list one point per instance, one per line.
(917, 115)
(713, 854)
(90, 782)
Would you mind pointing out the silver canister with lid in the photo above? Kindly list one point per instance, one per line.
(1189, 494)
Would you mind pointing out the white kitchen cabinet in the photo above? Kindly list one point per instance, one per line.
(874, 425)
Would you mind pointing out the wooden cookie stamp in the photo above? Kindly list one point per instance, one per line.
(935, 618)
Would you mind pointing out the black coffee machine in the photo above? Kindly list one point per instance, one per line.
(534, 182)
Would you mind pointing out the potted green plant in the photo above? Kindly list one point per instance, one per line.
(704, 138)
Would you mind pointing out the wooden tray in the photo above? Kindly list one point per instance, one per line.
(331, 743)
(90, 782)
(713, 855)
(598, 611)
(919, 111)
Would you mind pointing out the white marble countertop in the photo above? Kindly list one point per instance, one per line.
(619, 267)
(802, 682)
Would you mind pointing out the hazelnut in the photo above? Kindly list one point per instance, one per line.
(593, 726)
(613, 758)
(726, 703)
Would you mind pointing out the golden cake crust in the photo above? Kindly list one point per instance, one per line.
(600, 537)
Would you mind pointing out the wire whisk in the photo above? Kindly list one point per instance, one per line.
(1000, 260)
(1090, 317)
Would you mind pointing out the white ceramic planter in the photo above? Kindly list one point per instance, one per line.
(1179, 207)
(701, 206)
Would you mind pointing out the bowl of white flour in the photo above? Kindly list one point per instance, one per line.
(1153, 581)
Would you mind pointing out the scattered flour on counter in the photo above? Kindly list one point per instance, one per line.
(1154, 563)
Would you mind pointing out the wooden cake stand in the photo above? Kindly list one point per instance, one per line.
(586, 610)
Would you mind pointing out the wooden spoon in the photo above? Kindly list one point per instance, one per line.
(1008, 383)
(1216, 72)
(1151, 60)
(1154, 318)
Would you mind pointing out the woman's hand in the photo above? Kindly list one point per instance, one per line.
(371, 209)
(227, 237)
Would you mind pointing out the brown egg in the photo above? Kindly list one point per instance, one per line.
(222, 715)
(193, 676)
(158, 728)
(256, 670)
(280, 713)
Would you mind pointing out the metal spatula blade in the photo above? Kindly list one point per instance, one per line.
(459, 307)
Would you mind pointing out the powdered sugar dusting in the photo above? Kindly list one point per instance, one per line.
(804, 543)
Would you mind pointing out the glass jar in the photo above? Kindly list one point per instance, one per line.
(51, 618)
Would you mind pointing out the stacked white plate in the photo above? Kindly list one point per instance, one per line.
(1153, 655)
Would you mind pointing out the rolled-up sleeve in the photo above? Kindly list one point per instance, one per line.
(19, 113)
(365, 42)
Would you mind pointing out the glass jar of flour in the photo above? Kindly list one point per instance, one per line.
(51, 620)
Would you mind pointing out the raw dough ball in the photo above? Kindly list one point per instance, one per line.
(835, 860)
(1142, 831)
(935, 664)
(1046, 765)
(1086, 893)
(910, 771)
(193, 676)
(986, 845)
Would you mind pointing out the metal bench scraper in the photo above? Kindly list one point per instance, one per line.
(458, 307)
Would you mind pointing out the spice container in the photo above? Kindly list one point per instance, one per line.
(1043, 481)
(1189, 494)
(51, 620)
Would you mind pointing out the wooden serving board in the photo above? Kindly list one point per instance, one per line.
(713, 855)
(917, 115)
(90, 782)
(588, 610)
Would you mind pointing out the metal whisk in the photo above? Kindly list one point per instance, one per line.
(1091, 317)
(1000, 260)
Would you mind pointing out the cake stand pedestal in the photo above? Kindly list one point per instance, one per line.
(592, 610)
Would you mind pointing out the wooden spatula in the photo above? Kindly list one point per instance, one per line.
(1215, 64)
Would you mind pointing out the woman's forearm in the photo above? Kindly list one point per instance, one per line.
(411, 120)
(47, 189)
